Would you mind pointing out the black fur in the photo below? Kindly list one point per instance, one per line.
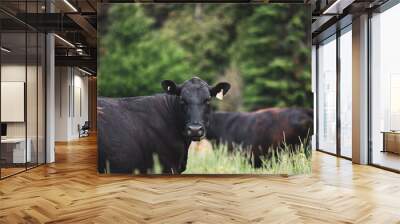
(131, 130)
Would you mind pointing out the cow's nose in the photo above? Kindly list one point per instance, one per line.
(195, 130)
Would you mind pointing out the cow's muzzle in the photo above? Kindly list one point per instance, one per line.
(195, 131)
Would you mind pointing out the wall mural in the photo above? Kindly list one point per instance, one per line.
(204, 89)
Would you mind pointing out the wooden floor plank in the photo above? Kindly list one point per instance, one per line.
(71, 191)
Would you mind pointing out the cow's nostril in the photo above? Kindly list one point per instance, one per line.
(195, 130)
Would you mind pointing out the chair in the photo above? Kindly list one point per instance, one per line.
(84, 130)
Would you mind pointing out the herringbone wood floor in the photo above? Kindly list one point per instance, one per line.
(70, 191)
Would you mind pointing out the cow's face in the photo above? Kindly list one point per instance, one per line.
(194, 98)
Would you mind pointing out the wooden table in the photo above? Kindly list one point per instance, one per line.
(391, 141)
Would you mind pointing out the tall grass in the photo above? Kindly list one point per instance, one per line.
(282, 160)
(219, 160)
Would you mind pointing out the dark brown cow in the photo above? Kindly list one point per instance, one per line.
(262, 129)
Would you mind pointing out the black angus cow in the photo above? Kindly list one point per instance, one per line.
(258, 131)
(133, 129)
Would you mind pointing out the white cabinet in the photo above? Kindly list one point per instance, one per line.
(19, 155)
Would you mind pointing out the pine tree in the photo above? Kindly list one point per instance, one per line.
(273, 55)
(134, 58)
(266, 44)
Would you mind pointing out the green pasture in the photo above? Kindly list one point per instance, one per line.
(284, 160)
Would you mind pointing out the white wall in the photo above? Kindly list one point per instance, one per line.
(12, 73)
(33, 126)
(71, 102)
(62, 81)
(80, 110)
(16, 73)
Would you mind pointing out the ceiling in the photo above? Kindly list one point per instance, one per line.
(73, 21)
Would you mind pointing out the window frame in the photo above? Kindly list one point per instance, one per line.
(381, 9)
(345, 24)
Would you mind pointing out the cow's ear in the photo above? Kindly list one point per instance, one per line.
(221, 87)
(170, 87)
